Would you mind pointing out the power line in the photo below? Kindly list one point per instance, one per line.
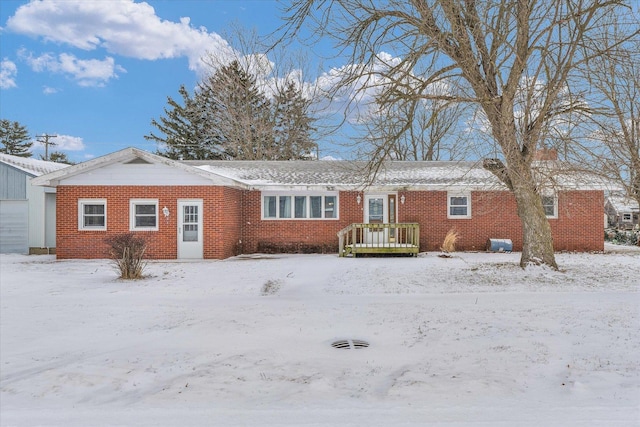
(46, 143)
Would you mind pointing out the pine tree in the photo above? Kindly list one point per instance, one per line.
(58, 157)
(15, 139)
(293, 125)
(229, 117)
(238, 113)
(186, 131)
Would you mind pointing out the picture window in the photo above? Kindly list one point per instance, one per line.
(276, 206)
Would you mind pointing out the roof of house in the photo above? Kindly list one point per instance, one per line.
(623, 204)
(331, 174)
(344, 174)
(33, 167)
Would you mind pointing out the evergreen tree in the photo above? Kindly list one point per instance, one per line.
(238, 113)
(58, 157)
(15, 139)
(293, 125)
(229, 117)
(185, 129)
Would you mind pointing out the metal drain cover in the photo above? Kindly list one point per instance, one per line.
(350, 344)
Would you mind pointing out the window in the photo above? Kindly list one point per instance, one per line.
(458, 206)
(269, 207)
(626, 217)
(285, 207)
(330, 207)
(92, 214)
(550, 206)
(316, 207)
(143, 214)
(299, 206)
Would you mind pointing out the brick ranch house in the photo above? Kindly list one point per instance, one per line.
(218, 209)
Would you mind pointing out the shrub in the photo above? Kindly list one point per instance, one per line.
(622, 237)
(449, 244)
(127, 252)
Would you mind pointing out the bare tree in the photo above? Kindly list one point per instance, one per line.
(515, 59)
(616, 78)
(420, 129)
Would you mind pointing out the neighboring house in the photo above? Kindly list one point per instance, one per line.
(622, 212)
(217, 209)
(27, 213)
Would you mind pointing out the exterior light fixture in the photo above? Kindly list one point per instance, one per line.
(358, 199)
(165, 211)
(402, 199)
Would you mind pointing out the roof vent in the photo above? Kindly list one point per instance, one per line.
(350, 344)
(137, 161)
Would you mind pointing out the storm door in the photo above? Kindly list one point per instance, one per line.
(190, 229)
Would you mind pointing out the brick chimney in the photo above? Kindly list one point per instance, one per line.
(546, 154)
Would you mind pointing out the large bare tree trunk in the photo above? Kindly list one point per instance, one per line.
(536, 230)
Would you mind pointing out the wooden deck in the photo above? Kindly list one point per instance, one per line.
(400, 238)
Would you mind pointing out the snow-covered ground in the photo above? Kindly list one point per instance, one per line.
(470, 340)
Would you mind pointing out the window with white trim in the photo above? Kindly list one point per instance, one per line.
(143, 214)
(299, 206)
(92, 214)
(550, 205)
(458, 206)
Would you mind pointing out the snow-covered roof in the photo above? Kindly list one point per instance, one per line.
(31, 166)
(328, 175)
(123, 156)
(349, 174)
(623, 204)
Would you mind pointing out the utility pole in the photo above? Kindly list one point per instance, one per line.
(46, 143)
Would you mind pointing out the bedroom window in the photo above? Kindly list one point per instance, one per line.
(143, 214)
(298, 206)
(92, 214)
(458, 206)
(550, 205)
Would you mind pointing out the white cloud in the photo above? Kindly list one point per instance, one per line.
(122, 27)
(87, 72)
(49, 90)
(357, 99)
(8, 72)
(62, 143)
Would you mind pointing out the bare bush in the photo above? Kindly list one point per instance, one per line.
(127, 253)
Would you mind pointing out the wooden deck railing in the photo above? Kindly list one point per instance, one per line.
(379, 239)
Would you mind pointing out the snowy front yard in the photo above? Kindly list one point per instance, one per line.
(471, 340)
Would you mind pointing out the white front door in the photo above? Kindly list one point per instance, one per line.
(190, 229)
(375, 212)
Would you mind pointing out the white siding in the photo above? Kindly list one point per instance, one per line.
(36, 215)
(50, 220)
(12, 183)
(136, 174)
(14, 226)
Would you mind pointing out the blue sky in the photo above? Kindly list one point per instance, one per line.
(96, 72)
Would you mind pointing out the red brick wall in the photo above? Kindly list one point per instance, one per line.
(233, 225)
(317, 235)
(221, 219)
(493, 215)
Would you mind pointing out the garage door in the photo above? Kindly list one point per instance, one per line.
(14, 226)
